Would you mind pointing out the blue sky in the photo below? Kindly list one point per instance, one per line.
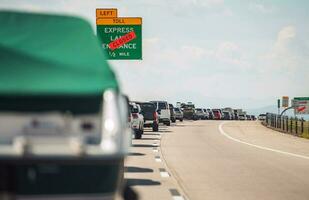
(215, 53)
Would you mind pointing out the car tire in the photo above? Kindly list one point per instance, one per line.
(181, 120)
(155, 127)
(173, 120)
(168, 123)
(138, 134)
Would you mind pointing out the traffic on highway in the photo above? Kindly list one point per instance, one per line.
(164, 100)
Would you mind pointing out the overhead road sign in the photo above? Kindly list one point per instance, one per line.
(113, 30)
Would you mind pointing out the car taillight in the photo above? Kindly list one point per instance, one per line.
(135, 115)
(155, 116)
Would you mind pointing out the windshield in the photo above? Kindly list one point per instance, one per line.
(162, 105)
(148, 107)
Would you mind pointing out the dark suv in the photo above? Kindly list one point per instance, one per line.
(149, 111)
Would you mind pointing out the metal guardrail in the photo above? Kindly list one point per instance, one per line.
(291, 125)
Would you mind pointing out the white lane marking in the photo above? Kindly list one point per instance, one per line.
(155, 144)
(178, 198)
(155, 150)
(164, 174)
(259, 147)
(176, 195)
(158, 159)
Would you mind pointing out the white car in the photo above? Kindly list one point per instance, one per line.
(200, 113)
(242, 117)
(137, 121)
(262, 117)
(163, 112)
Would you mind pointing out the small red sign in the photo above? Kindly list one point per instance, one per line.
(301, 109)
(122, 40)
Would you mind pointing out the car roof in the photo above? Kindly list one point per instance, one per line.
(73, 60)
(159, 101)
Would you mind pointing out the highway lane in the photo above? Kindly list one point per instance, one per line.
(144, 165)
(242, 161)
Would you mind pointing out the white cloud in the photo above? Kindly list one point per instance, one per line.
(285, 36)
(289, 53)
(259, 7)
(191, 7)
(226, 52)
(151, 41)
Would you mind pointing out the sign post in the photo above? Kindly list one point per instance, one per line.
(278, 105)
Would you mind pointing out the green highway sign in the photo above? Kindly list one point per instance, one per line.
(301, 98)
(113, 34)
(301, 105)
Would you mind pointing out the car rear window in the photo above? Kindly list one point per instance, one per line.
(148, 107)
(162, 105)
(198, 109)
(176, 109)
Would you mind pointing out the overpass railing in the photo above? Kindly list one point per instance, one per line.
(291, 125)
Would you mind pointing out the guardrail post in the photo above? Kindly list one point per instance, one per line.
(287, 124)
(302, 125)
(278, 122)
(284, 119)
(291, 125)
(296, 126)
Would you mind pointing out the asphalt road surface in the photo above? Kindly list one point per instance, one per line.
(220, 160)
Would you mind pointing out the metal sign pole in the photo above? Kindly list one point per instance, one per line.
(278, 104)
